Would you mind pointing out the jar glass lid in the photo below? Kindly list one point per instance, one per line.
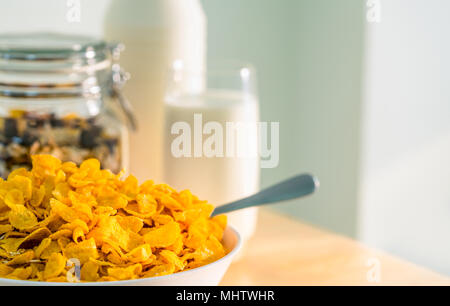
(50, 46)
(51, 65)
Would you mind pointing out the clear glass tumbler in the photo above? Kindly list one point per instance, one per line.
(211, 136)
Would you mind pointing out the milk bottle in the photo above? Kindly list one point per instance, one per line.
(155, 34)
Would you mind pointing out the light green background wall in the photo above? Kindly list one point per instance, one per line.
(309, 57)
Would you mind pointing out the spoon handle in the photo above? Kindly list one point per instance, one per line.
(296, 187)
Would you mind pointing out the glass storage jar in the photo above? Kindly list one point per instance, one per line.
(61, 95)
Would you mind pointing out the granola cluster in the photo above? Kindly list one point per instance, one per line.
(69, 138)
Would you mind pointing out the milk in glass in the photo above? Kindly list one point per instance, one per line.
(218, 179)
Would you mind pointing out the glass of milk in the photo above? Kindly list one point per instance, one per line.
(211, 136)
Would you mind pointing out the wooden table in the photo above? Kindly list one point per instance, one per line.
(287, 252)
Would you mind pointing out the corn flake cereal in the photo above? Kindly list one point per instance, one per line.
(116, 229)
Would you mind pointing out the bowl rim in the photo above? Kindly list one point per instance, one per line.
(229, 256)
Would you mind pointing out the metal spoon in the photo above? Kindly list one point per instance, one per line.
(296, 187)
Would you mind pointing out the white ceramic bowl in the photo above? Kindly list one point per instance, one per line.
(209, 275)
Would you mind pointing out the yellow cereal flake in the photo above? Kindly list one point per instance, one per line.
(20, 273)
(11, 245)
(37, 196)
(23, 184)
(171, 257)
(89, 271)
(55, 266)
(5, 270)
(140, 254)
(14, 197)
(82, 251)
(53, 247)
(42, 246)
(22, 218)
(160, 270)
(130, 272)
(45, 165)
(163, 236)
(5, 228)
(35, 238)
(78, 235)
(22, 259)
(115, 228)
